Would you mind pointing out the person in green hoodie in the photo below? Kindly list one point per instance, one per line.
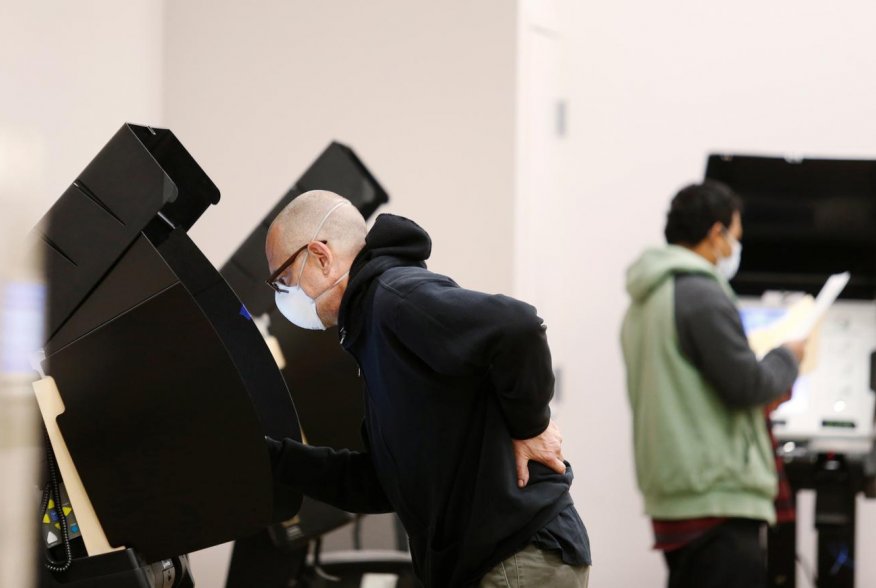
(704, 460)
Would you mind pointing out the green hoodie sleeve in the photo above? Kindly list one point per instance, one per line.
(711, 335)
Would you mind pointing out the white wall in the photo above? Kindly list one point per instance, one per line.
(653, 88)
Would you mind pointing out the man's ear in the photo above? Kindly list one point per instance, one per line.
(322, 254)
(716, 231)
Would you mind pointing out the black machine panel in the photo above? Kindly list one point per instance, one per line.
(167, 431)
(325, 382)
(121, 569)
(168, 386)
(112, 200)
(803, 220)
(322, 376)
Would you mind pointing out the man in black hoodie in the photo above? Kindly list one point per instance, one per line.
(457, 423)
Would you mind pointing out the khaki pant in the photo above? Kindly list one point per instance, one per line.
(532, 567)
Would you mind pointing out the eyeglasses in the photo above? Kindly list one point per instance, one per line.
(272, 279)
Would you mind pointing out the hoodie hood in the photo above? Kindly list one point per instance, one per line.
(393, 241)
(656, 265)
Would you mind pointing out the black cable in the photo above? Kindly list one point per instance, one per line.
(53, 488)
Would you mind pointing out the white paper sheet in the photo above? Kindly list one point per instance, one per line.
(828, 295)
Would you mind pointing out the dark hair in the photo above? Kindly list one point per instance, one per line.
(696, 208)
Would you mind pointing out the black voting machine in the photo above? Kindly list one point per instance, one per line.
(328, 395)
(804, 220)
(168, 386)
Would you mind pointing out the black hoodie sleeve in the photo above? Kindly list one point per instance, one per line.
(462, 332)
(344, 479)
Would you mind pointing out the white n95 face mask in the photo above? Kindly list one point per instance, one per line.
(299, 308)
(294, 303)
(728, 266)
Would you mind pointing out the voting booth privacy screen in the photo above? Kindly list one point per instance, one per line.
(168, 387)
(804, 220)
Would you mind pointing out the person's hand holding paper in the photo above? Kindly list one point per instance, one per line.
(785, 331)
(799, 329)
(798, 348)
(828, 295)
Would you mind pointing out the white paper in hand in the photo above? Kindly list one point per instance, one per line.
(828, 295)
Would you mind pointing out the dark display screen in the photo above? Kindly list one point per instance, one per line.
(803, 220)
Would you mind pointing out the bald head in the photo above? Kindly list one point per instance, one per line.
(304, 220)
(316, 237)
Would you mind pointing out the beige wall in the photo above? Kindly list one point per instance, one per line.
(71, 73)
(423, 92)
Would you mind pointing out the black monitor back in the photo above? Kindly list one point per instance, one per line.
(803, 220)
